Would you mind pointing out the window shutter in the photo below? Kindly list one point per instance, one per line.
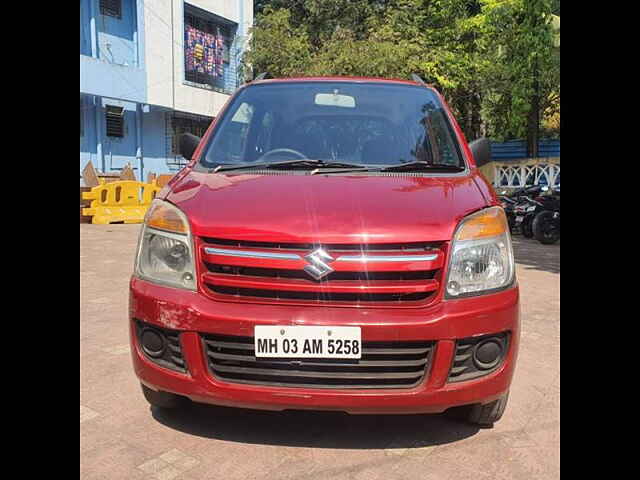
(114, 117)
(112, 8)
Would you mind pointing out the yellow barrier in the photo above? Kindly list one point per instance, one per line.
(122, 201)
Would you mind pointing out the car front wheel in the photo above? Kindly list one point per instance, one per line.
(162, 399)
(482, 415)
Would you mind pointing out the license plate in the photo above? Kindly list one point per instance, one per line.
(299, 341)
(519, 218)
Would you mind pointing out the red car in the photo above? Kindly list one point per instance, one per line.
(331, 245)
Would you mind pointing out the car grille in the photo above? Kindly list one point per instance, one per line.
(383, 365)
(372, 274)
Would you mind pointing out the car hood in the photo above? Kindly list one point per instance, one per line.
(325, 209)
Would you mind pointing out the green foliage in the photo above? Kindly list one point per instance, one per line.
(494, 60)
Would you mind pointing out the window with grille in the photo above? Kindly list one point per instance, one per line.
(114, 118)
(207, 53)
(177, 124)
(111, 8)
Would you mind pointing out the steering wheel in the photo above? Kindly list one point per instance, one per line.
(282, 150)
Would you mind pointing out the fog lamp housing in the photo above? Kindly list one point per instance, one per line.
(478, 356)
(153, 342)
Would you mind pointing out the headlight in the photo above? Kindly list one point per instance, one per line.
(165, 249)
(481, 258)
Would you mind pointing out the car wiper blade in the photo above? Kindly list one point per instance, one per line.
(302, 162)
(240, 166)
(422, 165)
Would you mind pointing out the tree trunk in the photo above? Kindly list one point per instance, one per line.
(476, 119)
(533, 119)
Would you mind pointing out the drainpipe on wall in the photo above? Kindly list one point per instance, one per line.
(139, 140)
(94, 33)
(99, 153)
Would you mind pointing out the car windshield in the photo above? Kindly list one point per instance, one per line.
(367, 124)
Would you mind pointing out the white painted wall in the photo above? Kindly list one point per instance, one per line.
(164, 52)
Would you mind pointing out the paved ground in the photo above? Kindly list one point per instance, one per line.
(122, 438)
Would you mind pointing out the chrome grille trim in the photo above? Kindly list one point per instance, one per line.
(342, 258)
(251, 254)
(390, 258)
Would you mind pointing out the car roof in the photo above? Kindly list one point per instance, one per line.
(341, 79)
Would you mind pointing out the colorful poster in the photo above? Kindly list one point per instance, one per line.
(203, 52)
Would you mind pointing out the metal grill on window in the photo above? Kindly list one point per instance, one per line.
(208, 51)
(111, 8)
(114, 118)
(176, 125)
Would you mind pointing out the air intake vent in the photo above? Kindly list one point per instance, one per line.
(114, 118)
(111, 8)
(383, 365)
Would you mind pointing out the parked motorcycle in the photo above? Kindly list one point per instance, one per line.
(508, 204)
(522, 206)
(546, 199)
(546, 223)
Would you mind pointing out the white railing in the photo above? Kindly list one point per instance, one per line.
(520, 175)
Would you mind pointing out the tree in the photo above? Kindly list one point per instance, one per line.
(493, 60)
(522, 66)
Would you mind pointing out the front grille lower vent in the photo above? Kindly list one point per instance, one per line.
(383, 365)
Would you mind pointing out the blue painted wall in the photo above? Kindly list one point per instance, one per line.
(154, 142)
(88, 143)
(108, 154)
(112, 80)
(85, 28)
(112, 51)
(117, 36)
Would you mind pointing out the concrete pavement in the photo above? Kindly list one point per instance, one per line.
(121, 437)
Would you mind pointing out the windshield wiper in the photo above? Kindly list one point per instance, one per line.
(300, 162)
(417, 165)
(421, 165)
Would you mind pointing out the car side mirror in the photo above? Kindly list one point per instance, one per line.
(481, 149)
(188, 144)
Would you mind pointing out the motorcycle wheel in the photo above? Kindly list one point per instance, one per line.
(527, 228)
(544, 228)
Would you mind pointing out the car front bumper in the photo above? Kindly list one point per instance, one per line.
(192, 314)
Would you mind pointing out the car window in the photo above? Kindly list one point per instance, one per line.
(363, 123)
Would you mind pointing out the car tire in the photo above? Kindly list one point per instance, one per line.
(482, 415)
(162, 399)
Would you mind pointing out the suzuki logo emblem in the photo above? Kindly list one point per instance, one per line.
(318, 260)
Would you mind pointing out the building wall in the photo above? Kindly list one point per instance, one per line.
(117, 37)
(165, 44)
(112, 57)
(137, 62)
